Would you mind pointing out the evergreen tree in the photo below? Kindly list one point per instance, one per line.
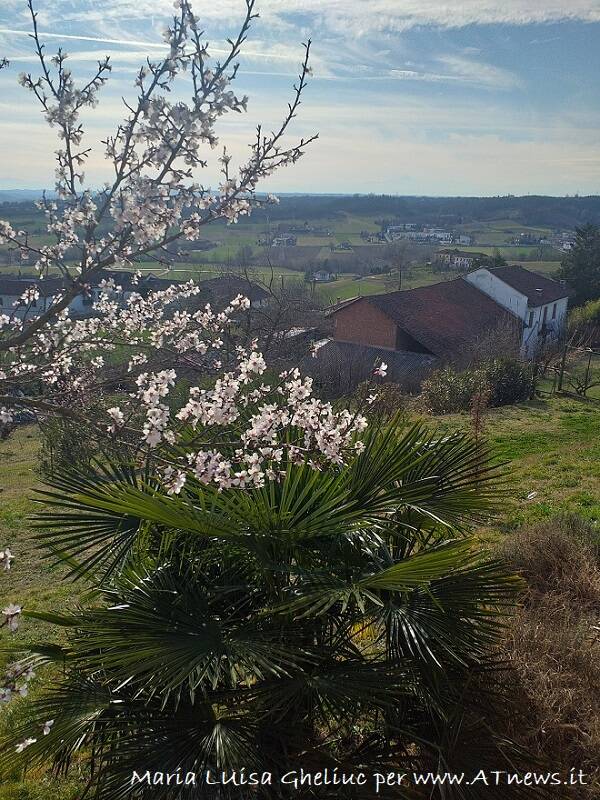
(581, 267)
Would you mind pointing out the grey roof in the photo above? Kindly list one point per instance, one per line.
(48, 287)
(226, 287)
(404, 367)
(538, 289)
(15, 285)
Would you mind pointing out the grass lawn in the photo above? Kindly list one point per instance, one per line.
(30, 583)
(552, 447)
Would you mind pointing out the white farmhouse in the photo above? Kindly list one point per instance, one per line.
(322, 276)
(14, 287)
(539, 302)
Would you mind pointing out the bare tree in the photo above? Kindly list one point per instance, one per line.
(154, 200)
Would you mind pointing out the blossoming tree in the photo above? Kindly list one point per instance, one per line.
(55, 364)
(275, 582)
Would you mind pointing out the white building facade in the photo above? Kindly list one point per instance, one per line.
(540, 303)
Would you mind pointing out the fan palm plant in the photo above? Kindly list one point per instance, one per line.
(332, 618)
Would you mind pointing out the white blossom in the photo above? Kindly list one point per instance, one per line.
(5, 558)
(11, 614)
(26, 743)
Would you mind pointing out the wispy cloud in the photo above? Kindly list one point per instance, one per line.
(351, 16)
(278, 52)
(479, 73)
(368, 14)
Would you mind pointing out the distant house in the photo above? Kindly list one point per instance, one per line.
(539, 302)
(286, 240)
(322, 276)
(13, 287)
(464, 239)
(459, 260)
(438, 234)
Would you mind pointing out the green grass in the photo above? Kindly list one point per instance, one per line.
(551, 447)
(34, 585)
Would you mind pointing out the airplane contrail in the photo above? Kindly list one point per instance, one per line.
(135, 43)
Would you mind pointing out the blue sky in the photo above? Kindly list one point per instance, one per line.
(408, 96)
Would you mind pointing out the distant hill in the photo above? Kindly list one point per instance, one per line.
(22, 195)
(530, 210)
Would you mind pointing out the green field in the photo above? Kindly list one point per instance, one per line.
(345, 227)
(347, 286)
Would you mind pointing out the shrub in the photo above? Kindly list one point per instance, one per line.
(510, 381)
(335, 616)
(584, 324)
(391, 402)
(589, 313)
(63, 445)
(562, 556)
(449, 391)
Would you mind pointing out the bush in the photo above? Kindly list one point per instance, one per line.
(64, 444)
(562, 556)
(391, 403)
(584, 324)
(510, 381)
(333, 617)
(589, 313)
(449, 391)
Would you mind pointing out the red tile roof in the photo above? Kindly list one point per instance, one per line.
(444, 317)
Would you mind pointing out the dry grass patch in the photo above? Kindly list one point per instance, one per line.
(553, 645)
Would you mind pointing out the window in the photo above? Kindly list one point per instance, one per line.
(545, 317)
(530, 323)
(554, 311)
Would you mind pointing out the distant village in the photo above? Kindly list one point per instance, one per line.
(414, 232)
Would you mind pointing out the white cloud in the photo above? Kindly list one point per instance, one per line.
(479, 73)
(349, 16)
(382, 15)
(278, 52)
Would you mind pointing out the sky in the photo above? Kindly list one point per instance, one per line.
(410, 97)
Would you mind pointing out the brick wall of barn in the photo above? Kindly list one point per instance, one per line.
(362, 323)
